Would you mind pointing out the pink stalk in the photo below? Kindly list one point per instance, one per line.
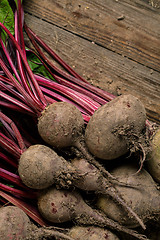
(10, 88)
(15, 102)
(30, 100)
(9, 60)
(8, 160)
(15, 107)
(52, 93)
(7, 130)
(61, 98)
(15, 130)
(10, 146)
(80, 89)
(20, 26)
(79, 98)
(19, 38)
(13, 178)
(17, 192)
(84, 99)
(42, 101)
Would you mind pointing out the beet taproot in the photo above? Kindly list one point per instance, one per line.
(40, 167)
(93, 180)
(61, 124)
(59, 206)
(153, 157)
(16, 225)
(91, 233)
(115, 127)
(142, 196)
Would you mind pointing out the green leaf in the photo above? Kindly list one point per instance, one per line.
(6, 15)
(37, 67)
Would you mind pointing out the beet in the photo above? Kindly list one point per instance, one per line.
(91, 233)
(16, 225)
(115, 127)
(59, 206)
(142, 195)
(153, 158)
(40, 167)
(61, 124)
(92, 180)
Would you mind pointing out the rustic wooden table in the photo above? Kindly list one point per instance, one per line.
(115, 44)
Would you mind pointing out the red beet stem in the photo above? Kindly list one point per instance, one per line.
(30, 100)
(15, 131)
(17, 192)
(13, 178)
(13, 147)
(10, 146)
(61, 98)
(8, 160)
(10, 60)
(42, 101)
(79, 98)
(80, 89)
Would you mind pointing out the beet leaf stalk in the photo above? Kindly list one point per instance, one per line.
(34, 100)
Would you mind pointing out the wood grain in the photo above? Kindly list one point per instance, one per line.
(130, 28)
(124, 61)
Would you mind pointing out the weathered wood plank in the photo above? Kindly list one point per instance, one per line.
(102, 67)
(129, 28)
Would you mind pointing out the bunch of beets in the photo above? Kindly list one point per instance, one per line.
(76, 161)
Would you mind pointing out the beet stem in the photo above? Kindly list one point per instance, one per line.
(17, 192)
(81, 82)
(15, 130)
(42, 101)
(8, 160)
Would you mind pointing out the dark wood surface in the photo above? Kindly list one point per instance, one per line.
(114, 44)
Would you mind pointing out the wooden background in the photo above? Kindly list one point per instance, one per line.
(114, 44)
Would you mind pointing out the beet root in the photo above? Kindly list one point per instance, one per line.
(16, 225)
(40, 167)
(153, 158)
(114, 128)
(60, 206)
(92, 180)
(142, 195)
(91, 233)
(60, 124)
